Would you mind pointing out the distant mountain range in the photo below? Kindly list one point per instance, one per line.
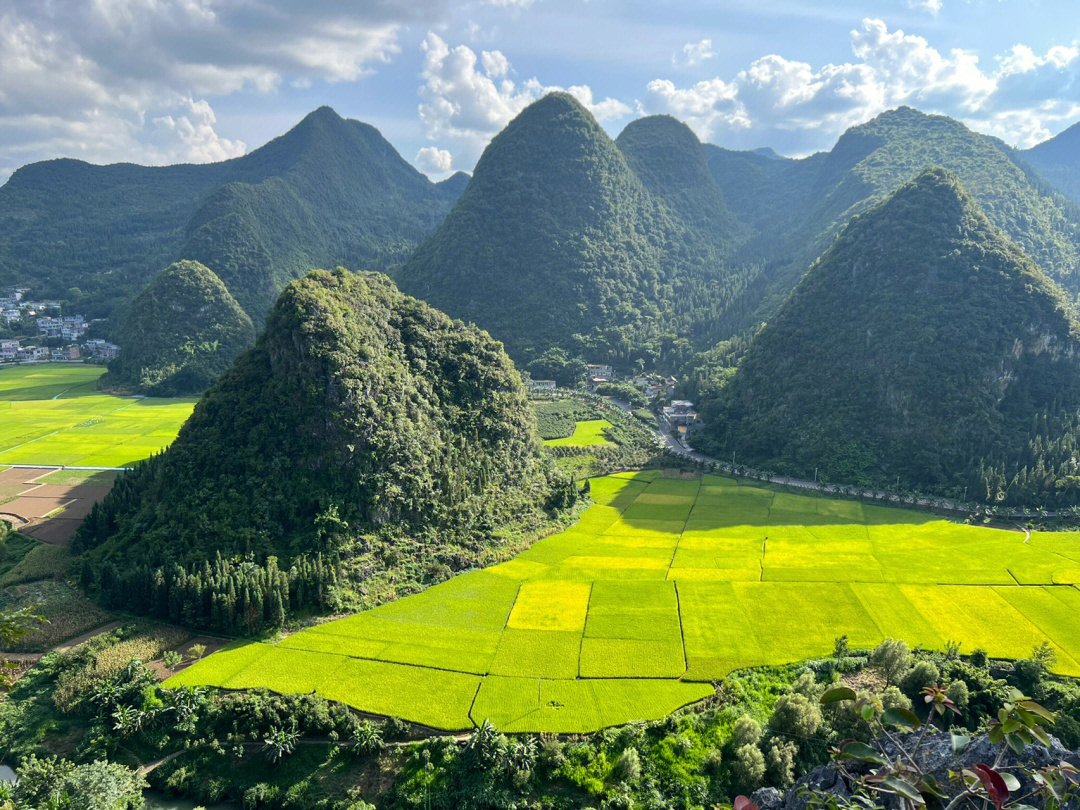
(1058, 160)
(330, 191)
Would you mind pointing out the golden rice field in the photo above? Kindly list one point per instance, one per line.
(663, 587)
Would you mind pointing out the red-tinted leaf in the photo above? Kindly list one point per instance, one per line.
(743, 803)
(996, 789)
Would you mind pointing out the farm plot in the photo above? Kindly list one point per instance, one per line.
(663, 587)
(51, 416)
(586, 434)
(49, 505)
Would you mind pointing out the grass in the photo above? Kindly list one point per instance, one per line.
(665, 586)
(51, 415)
(586, 434)
(13, 548)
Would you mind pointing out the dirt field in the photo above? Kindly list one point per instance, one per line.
(48, 504)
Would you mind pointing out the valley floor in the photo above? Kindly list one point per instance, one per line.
(52, 416)
(664, 586)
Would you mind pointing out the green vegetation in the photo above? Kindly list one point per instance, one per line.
(579, 251)
(326, 192)
(558, 418)
(365, 427)
(180, 334)
(663, 586)
(923, 346)
(13, 548)
(586, 434)
(795, 208)
(1056, 160)
(51, 415)
(64, 612)
(768, 726)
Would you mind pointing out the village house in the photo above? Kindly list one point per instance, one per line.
(101, 349)
(9, 350)
(541, 385)
(678, 416)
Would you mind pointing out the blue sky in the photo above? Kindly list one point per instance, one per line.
(164, 81)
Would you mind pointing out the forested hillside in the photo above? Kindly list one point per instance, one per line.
(178, 335)
(925, 346)
(562, 240)
(797, 207)
(328, 191)
(1058, 160)
(365, 430)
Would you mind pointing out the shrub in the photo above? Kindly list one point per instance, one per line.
(893, 698)
(795, 715)
(781, 762)
(628, 766)
(749, 766)
(747, 731)
(890, 658)
(920, 676)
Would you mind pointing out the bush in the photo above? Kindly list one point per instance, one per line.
(890, 658)
(747, 731)
(920, 676)
(749, 766)
(795, 715)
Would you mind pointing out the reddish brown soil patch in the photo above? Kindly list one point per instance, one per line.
(22, 475)
(33, 508)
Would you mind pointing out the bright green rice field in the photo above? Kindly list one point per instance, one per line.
(586, 434)
(662, 587)
(51, 415)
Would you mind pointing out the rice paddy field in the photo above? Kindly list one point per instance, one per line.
(588, 433)
(663, 587)
(51, 415)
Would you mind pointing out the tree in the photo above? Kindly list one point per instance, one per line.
(890, 658)
(44, 784)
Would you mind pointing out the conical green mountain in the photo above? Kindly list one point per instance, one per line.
(554, 236)
(798, 206)
(668, 158)
(363, 425)
(1058, 160)
(557, 242)
(180, 334)
(328, 191)
(923, 345)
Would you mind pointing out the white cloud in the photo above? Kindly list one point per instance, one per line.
(467, 106)
(433, 159)
(933, 6)
(509, 3)
(495, 64)
(694, 53)
(798, 108)
(130, 79)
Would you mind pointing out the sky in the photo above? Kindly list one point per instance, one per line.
(168, 81)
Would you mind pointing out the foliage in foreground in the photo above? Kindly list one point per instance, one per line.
(766, 727)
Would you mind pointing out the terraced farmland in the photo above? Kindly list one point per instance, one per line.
(50, 415)
(664, 586)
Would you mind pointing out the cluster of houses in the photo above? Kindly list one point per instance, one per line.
(12, 351)
(15, 308)
(677, 417)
